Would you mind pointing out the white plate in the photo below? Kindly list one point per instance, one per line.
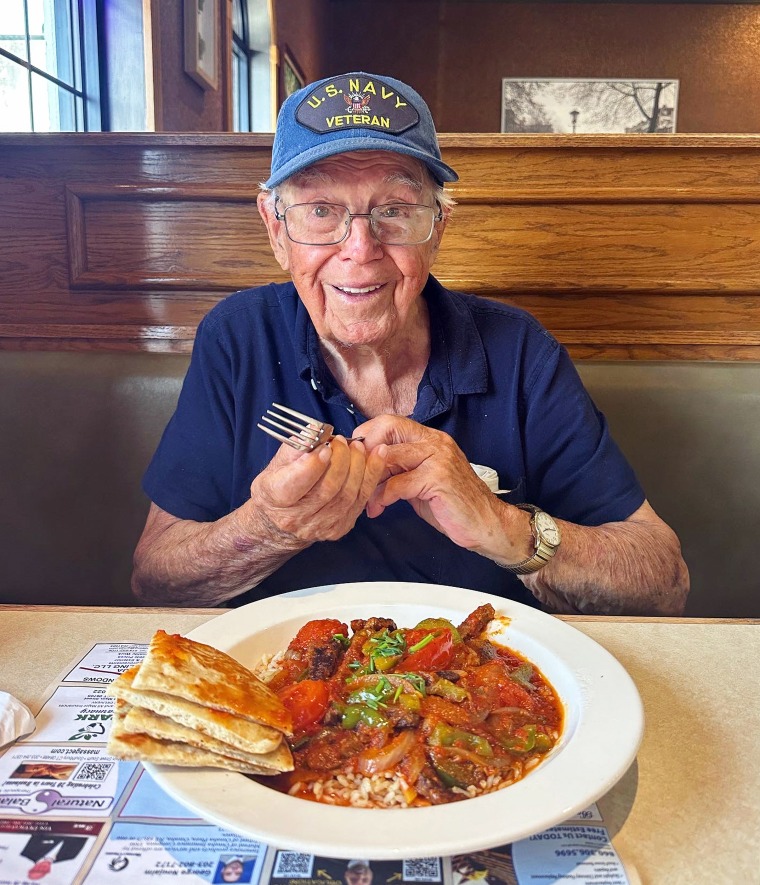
(604, 724)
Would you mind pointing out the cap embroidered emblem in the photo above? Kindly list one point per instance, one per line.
(344, 102)
(358, 103)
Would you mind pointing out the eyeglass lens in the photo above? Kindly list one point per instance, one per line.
(322, 224)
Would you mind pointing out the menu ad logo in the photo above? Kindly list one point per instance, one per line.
(45, 801)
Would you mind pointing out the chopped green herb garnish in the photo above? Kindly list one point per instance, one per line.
(422, 643)
(375, 696)
(383, 649)
(417, 681)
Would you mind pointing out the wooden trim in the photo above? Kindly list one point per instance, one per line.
(660, 352)
(585, 194)
(449, 141)
(624, 247)
(156, 73)
(151, 66)
(98, 331)
(226, 61)
(112, 610)
(572, 619)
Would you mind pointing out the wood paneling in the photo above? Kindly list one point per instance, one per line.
(456, 52)
(635, 247)
(144, 238)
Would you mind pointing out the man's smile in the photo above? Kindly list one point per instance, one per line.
(358, 290)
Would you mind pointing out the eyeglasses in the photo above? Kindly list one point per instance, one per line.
(326, 224)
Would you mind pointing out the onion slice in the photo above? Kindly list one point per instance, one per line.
(378, 759)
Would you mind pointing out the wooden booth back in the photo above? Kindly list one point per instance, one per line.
(641, 254)
(633, 247)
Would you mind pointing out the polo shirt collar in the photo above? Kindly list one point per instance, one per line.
(457, 362)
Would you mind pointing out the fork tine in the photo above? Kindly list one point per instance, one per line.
(308, 438)
(288, 440)
(309, 432)
(295, 414)
(303, 434)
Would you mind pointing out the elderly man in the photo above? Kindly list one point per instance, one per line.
(431, 380)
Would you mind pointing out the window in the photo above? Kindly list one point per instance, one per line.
(49, 70)
(241, 68)
(251, 69)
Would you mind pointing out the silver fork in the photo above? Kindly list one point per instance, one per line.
(303, 434)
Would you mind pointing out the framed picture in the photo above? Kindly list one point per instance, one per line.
(201, 27)
(291, 75)
(588, 106)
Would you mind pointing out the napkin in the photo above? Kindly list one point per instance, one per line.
(490, 477)
(16, 719)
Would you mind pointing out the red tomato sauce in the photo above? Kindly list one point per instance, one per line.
(387, 716)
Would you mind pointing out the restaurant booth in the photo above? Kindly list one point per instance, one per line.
(642, 257)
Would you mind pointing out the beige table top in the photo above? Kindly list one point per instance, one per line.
(688, 810)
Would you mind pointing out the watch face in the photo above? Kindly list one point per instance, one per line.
(547, 529)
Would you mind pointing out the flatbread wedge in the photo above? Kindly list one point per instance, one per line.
(143, 748)
(243, 734)
(200, 673)
(138, 720)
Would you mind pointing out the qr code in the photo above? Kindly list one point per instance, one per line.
(93, 771)
(292, 865)
(422, 869)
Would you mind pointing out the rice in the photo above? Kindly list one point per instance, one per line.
(386, 789)
(268, 665)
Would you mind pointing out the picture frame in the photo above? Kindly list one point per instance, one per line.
(588, 106)
(201, 41)
(291, 76)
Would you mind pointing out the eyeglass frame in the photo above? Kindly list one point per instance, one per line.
(352, 215)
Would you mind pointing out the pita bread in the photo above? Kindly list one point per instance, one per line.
(138, 720)
(204, 675)
(243, 734)
(143, 748)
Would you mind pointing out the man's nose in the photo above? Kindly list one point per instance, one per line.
(360, 242)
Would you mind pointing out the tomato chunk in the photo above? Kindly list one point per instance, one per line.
(434, 653)
(493, 687)
(307, 701)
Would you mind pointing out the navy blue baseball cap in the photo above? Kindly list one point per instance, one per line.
(354, 112)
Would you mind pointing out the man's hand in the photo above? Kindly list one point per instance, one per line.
(428, 469)
(299, 498)
(628, 567)
(317, 496)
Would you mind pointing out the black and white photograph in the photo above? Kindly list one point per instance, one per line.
(589, 106)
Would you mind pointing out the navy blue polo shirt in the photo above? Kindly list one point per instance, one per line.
(497, 382)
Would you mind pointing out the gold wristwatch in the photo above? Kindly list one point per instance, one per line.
(547, 537)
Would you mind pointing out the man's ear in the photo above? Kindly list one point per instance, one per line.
(275, 229)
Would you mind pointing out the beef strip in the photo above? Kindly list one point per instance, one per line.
(429, 787)
(400, 717)
(322, 661)
(476, 622)
(373, 625)
(485, 650)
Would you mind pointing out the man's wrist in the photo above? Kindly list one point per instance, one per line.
(511, 541)
(546, 537)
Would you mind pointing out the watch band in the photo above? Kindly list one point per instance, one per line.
(543, 552)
